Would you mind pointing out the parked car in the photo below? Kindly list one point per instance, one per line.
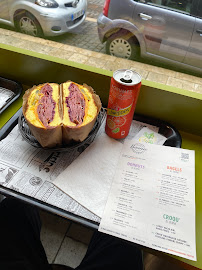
(43, 17)
(168, 30)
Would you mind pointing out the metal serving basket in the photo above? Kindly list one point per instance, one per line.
(28, 137)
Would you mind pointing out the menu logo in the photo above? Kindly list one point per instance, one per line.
(138, 148)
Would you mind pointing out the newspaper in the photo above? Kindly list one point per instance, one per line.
(31, 171)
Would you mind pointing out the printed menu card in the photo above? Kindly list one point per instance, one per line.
(152, 198)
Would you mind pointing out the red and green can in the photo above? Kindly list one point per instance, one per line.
(123, 95)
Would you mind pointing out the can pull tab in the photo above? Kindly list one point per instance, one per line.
(127, 76)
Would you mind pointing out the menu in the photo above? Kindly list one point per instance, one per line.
(152, 198)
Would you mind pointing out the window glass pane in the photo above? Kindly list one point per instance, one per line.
(156, 32)
(177, 5)
(200, 8)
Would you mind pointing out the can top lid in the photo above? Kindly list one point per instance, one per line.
(127, 76)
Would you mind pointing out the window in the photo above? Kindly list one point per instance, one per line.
(177, 5)
(182, 5)
(157, 32)
(199, 10)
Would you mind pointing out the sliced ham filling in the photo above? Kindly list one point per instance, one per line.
(46, 107)
(76, 103)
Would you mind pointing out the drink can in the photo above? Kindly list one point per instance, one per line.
(124, 90)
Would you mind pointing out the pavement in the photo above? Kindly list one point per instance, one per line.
(87, 54)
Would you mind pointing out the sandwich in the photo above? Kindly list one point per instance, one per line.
(42, 111)
(59, 114)
(80, 109)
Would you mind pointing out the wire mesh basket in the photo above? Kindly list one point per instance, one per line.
(28, 137)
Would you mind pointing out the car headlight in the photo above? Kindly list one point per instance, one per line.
(47, 3)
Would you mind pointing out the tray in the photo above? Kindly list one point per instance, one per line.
(173, 136)
(173, 139)
(9, 91)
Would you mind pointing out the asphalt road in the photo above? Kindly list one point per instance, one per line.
(85, 36)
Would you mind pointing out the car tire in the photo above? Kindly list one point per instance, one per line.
(123, 44)
(26, 23)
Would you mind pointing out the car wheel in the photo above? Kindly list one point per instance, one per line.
(26, 23)
(123, 44)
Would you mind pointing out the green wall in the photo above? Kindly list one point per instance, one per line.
(179, 107)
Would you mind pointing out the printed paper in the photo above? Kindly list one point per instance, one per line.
(152, 198)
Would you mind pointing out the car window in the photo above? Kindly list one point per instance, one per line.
(177, 5)
(199, 9)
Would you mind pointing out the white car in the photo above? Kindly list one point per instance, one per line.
(43, 17)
